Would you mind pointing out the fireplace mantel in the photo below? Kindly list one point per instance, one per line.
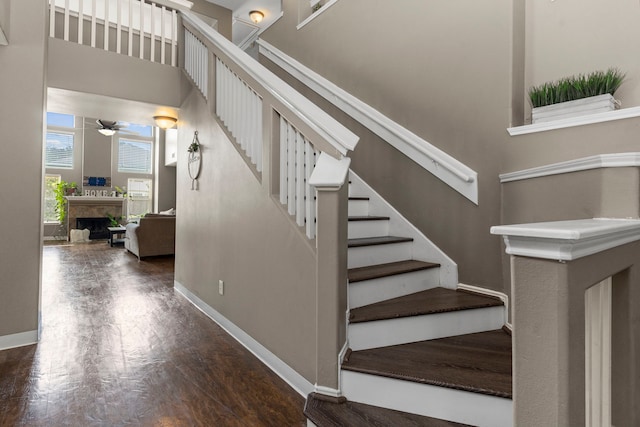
(92, 207)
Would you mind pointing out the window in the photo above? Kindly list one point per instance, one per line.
(50, 184)
(139, 193)
(134, 156)
(60, 120)
(59, 150)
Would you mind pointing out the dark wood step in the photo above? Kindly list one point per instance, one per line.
(324, 413)
(368, 218)
(479, 362)
(369, 272)
(379, 240)
(436, 300)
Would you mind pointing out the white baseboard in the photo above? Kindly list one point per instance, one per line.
(284, 371)
(18, 340)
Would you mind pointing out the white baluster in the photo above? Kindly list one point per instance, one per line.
(291, 169)
(106, 25)
(174, 38)
(284, 145)
(152, 37)
(130, 23)
(141, 18)
(65, 28)
(80, 21)
(163, 11)
(310, 199)
(118, 26)
(52, 18)
(205, 71)
(300, 175)
(93, 23)
(258, 131)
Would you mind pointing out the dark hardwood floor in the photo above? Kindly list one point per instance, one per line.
(119, 347)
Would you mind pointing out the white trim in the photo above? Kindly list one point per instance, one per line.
(317, 13)
(490, 292)
(567, 240)
(18, 340)
(624, 113)
(446, 168)
(341, 138)
(246, 43)
(284, 371)
(615, 160)
(327, 391)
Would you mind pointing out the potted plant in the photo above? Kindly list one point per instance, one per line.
(575, 95)
(62, 190)
(114, 221)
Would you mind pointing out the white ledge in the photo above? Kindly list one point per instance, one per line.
(329, 172)
(454, 173)
(341, 138)
(624, 113)
(567, 240)
(615, 160)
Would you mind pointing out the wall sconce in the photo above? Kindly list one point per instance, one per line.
(107, 132)
(256, 16)
(165, 122)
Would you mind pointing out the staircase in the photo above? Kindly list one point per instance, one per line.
(421, 352)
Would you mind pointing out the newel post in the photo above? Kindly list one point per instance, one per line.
(330, 181)
(574, 365)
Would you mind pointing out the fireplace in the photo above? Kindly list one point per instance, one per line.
(97, 227)
(84, 207)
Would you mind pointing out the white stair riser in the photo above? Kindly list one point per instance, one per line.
(369, 228)
(384, 288)
(358, 207)
(428, 400)
(379, 254)
(382, 333)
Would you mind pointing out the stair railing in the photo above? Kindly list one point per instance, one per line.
(298, 153)
(113, 25)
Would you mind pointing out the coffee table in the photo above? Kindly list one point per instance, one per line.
(116, 231)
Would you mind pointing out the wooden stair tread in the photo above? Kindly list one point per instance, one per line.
(430, 301)
(479, 362)
(328, 414)
(379, 240)
(389, 269)
(368, 218)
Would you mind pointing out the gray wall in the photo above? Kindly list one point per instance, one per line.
(22, 90)
(231, 229)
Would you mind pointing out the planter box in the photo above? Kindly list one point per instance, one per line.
(579, 107)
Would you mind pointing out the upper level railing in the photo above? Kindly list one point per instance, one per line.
(137, 28)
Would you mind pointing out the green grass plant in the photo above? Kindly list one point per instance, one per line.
(576, 87)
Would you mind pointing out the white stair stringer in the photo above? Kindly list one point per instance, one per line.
(423, 248)
(363, 256)
(424, 399)
(375, 290)
(383, 333)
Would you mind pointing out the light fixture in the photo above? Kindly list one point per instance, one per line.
(165, 122)
(107, 132)
(256, 16)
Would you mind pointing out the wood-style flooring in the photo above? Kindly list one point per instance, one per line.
(119, 347)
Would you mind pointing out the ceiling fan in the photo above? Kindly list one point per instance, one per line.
(110, 127)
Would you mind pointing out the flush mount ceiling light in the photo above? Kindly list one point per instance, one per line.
(165, 122)
(107, 132)
(256, 16)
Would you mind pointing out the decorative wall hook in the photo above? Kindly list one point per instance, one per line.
(195, 160)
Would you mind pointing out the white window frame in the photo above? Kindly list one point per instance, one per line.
(135, 197)
(63, 131)
(141, 141)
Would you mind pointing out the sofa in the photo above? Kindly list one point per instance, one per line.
(154, 234)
